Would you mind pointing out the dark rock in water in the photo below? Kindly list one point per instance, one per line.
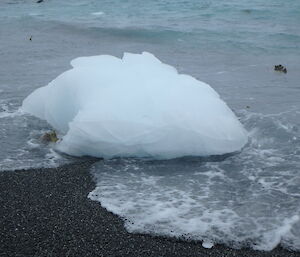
(39, 1)
(50, 137)
(247, 11)
(280, 68)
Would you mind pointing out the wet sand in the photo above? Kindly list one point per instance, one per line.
(46, 212)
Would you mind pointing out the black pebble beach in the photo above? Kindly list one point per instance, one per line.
(46, 212)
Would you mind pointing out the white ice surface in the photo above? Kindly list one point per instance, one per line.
(135, 106)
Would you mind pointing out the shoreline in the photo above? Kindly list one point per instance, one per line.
(46, 212)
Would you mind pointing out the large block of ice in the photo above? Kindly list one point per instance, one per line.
(136, 106)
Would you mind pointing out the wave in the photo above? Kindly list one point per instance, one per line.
(249, 199)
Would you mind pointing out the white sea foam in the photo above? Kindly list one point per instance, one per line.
(32, 144)
(98, 13)
(135, 106)
(249, 199)
(10, 114)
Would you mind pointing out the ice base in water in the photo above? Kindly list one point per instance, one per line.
(135, 106)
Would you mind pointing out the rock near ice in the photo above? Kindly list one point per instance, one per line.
(136, 106)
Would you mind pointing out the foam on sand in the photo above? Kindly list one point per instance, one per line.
(135, 106)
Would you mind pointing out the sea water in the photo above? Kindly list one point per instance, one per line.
(250, 198)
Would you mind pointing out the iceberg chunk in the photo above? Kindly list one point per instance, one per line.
(136, 106)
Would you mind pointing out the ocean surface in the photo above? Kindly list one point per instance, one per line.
(250, 198)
